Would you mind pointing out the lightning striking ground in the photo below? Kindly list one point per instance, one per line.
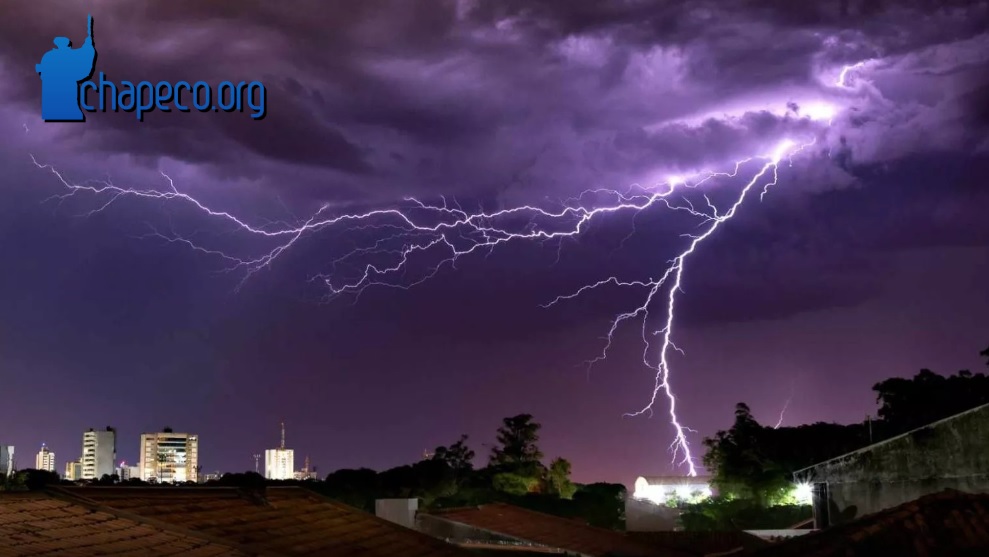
(437, 236)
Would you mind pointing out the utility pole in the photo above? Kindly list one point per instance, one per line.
(868, 419)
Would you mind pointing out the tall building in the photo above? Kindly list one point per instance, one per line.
(45, 460)
(169, 457)
(279, 464)
(6, 460)
(99, 451)
(73, 470)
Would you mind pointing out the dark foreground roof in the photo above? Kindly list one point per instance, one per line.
(40, 524)
(947, 523)
(285, 520)
(701, 543)
(552, 531)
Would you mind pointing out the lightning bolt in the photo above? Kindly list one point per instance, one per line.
(786, 404)
(439, 235)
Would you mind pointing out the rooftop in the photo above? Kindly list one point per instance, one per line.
(700, 543)
(553, 531)
(288, 521)
(35, 524)
(946, 523)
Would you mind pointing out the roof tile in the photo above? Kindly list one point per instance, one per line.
(552, 531)
(701, 543)
(38, 524)
(306, 522)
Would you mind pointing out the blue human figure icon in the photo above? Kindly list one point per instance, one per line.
(62, 69)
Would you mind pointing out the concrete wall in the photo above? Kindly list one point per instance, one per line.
(454, 531)
(951, 453)
(642, 515)
(399, 511)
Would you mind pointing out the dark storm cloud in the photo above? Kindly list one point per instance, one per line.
(527, 100)
(492, 103)
(393, 88)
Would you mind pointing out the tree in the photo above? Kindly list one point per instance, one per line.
(247, 480)
(108, 479)
(757, 462)
(518, 437)
(740, 463)
(907, 404)
(515, 484)
(29, 479)
(458, 456)
(985, 354)
(162, 459)
(602, 504)
(558, 478)
(357, 488)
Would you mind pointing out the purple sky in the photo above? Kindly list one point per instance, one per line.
(866, 261)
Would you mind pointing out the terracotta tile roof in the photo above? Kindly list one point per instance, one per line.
(286, 520)
(700, 543)
(552, 531)
(39, 524)
(946, 523)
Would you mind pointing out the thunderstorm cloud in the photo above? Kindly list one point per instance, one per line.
(498, 103)
(518, 102)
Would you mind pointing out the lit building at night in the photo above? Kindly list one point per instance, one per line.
(662, 490)
(73, 470)
(45, 459)
(279, 464)
(169, 457)
(6, 460)
(652, 505)
(99, 450)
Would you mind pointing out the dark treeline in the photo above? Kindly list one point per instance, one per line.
(515, 474)
(752, 464)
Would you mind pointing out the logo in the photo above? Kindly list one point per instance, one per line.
(66, 87)
(62, 69)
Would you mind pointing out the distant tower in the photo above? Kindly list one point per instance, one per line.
(45, 459)
(279, 463)
(257, 463)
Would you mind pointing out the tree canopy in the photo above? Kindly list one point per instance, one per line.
(518, 438)
(458, 456)
(742, 459)
(757, 462)
(907, 404)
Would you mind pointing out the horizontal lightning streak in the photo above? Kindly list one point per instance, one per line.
(418, 231)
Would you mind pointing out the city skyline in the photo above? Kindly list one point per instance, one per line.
(168, 271)
(90, 436)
